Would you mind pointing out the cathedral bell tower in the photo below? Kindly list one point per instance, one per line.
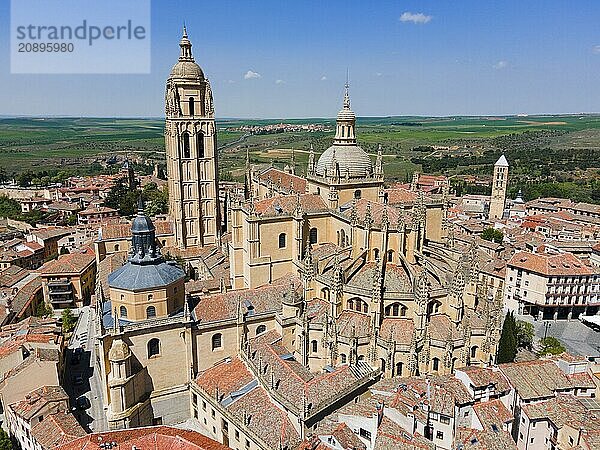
(191, 147)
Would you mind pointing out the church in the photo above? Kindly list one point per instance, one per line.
(319, 285)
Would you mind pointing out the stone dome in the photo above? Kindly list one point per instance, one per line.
(352, 160)
(188, 70)
(119, 351)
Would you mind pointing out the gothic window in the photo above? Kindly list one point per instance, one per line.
(390, 255)
(398, 369)
(217, 341)
(261, 329)
(474, 351)
(315, 346)
(200, 144)
(342, 238)
(350, 304)
(375, 253)
(282, 240)
(358, 305)
(433, 307)
(435, 364)
(343, 358)
(191, 104)
(153, 347)
(123, 312)
(186, 144)
(150, 312)
(313, 235)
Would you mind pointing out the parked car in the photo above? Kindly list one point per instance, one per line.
(82, 403)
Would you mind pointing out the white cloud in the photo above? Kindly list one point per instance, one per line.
(251, 74)
(501, 65)
(279, 82)
(378, 74)
(418, 18)
(323, 78)
(596, 49)
(230, 81)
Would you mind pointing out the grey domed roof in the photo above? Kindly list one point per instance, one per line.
(351, 160)
(188, 70)
(136, 277)
(142, 224)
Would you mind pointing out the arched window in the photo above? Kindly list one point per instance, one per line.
(150, 297)
(217, 341)
(357, 194)
(343, 358)
(313, 235)
(186, 144)
(116, 247)
(358, 305)
(342, 238)
(200, 144)
(338, 238)
(382, 365)
(153, 347)
(261, 329)
(361, 358)
(433, 307)
(375, 253)
(123, 312)
(435, 364)
(474, 351)
(282, 240)
(390, 254)
(398, 369)
(150, 312)
(315, 346)
(191, 104)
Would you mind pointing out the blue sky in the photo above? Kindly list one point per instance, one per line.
(445, 58)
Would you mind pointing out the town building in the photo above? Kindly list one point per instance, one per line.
(555, 285)
(69, 280)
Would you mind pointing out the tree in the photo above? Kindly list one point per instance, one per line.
(9, 207)
(5, 442)
(551, 346)
(507, 346)
(68, 320)
(43, 310)
(493, 235)
(525, 333)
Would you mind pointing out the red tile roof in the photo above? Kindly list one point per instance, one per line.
(286, 204)
(284, 180)
(550, 265)
(147, 438)
(57, 429)
(74, 263)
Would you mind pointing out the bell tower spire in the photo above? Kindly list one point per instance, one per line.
(191, 148)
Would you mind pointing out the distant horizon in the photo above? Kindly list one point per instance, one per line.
(358, 117)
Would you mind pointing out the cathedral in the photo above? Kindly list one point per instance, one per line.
(345, 278)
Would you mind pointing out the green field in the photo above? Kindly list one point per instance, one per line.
(468, 143)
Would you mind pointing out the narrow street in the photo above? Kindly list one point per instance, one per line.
(82, 378)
